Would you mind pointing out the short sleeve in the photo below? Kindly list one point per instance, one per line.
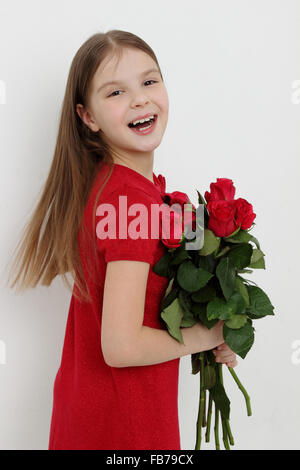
(127, 227)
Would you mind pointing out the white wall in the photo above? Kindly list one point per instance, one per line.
(230, 67)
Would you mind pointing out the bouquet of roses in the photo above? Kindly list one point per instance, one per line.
(207, 285)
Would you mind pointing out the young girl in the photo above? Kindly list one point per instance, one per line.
(117, 384)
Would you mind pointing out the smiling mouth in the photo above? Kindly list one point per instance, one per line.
(143, 125)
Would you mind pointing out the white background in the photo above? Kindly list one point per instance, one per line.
(229, 67)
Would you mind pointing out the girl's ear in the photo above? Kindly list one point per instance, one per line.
(86, 117)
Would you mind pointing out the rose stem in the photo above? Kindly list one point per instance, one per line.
(201, 402)
(204, 411)
(224, 428)
(243, 390)
(217, 428)
(208, 418)
(231, 440)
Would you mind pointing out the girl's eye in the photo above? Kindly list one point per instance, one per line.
(154, 81)
(112, 94)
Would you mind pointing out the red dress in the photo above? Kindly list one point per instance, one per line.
(96, 406)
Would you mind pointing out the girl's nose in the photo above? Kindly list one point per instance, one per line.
(139, 99)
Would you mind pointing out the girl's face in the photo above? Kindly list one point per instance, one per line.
(137, 92)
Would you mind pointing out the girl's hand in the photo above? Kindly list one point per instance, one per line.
(225, 355)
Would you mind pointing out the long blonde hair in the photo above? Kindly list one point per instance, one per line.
(78, 156)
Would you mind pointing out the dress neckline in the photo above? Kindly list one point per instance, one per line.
(157, 184)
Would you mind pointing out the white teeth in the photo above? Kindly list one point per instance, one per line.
(143, 120)
(143, 128)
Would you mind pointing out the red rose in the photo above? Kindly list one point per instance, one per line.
(177, 197)
(244, 214)
(171, 227)
(222, 218)
(223, 190)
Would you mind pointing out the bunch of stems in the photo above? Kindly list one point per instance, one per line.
(204, 419)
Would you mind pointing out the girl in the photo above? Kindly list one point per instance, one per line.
(117, 384)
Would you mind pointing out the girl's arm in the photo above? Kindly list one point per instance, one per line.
(125, 340)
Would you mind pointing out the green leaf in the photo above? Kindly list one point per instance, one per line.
(239, 340)
(171, 272)
(218, 309)
(170, 287)
(191, 278)
(260, 264)
(211, 243)
(199, 311)
(242, 289)
(222, 252)
(184, 300)
(172, 316)
(257, 260)
(221, 399)
(186, 304)
(196, 308)
(236, 303)
(179, 255)
(256, 255)
(254, 240)
(260, 304)
(240, 256)
(205, 294)
(201, 200)
(188, 319)
(236, 322)
(162, 266)
(224, 310)
(209, 376)
(169, 298)
(242, 237)
(225, 272)
(207, 263)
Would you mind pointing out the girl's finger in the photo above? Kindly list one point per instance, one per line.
(229, 356)
(225, 359)
(232, 364)
(223, 347)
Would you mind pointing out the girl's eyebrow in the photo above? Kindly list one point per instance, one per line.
(116, 82)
